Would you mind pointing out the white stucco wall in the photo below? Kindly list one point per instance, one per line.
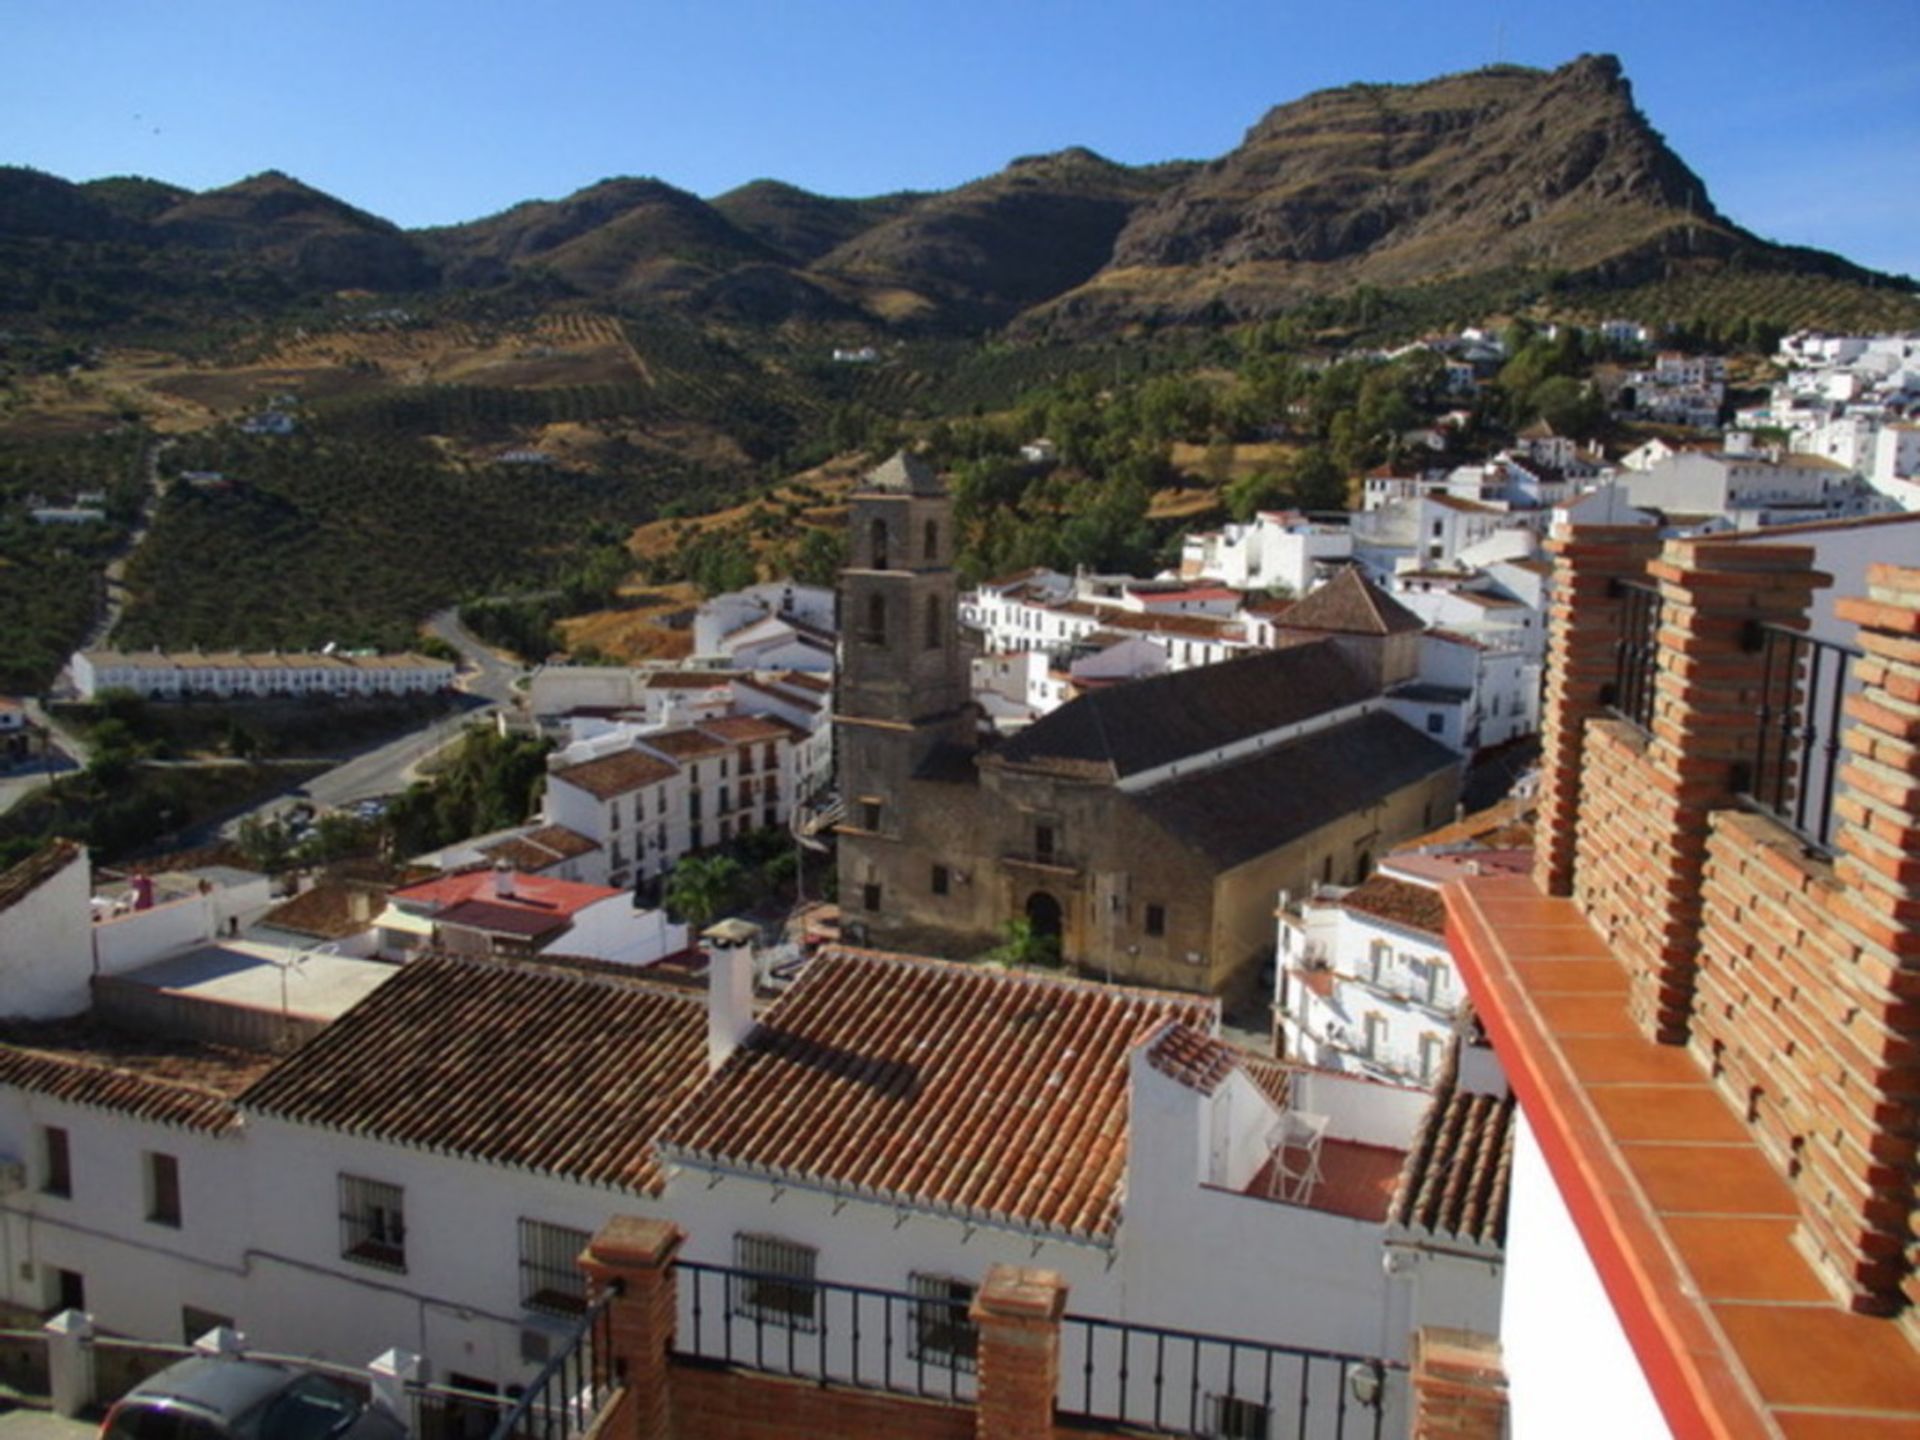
(1571, 1372)
(46, 952)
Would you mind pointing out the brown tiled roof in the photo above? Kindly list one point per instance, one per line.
(746, 729)
(1350, 604)
(1465, 507)
(540, 849)
(31, 873)
(327, 910)
(687, 743)
(804, 681)
(1202, 627)
(1235, 812)
(618, 773)
(548, 1069)
(950, 1087)
(1107, 734)
(171, 1082)
(689, 679)
(1273, 1077)
(1418, 907)
(1459, 1171)
(493, 919)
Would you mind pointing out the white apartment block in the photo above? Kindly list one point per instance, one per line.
(230, 675)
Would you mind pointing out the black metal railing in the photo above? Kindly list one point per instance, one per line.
(1636, 654)
(1796, 743)
(450, 1412)
(1182, 1382)
(919, 1342)
(576, 1384)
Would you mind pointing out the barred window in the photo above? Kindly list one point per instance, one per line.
(943, 1331)
(550, 1280)
(373, 1227)
(781, 1290)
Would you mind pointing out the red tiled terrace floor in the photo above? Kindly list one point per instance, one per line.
(1356, 1180)
(1687, 1223)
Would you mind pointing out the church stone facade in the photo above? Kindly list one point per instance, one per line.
(1149, 826)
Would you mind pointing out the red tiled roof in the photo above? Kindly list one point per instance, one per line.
(1459, 1174)
(502, 918)
(950, 1087)
(547, 1069)
(1465, 507)
(31, 873)
(804, 681)
(1418, 907)
(537, 894)
(617, 774)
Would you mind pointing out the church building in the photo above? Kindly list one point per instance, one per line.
(1148, 827)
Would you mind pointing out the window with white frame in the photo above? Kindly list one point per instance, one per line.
(1379, 961)
(373, 1227)
(777, 1287)
(943, 1330)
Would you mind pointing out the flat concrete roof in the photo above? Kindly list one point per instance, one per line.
(319, 985)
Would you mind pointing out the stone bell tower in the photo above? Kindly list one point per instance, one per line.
(902, 687)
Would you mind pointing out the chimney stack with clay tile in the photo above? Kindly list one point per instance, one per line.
(729, 987)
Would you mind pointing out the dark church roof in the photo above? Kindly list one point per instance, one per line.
(1349, 604)
(1236, 812)
(1110, 733)
(903, 474)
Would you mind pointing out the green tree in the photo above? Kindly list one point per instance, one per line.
(1022, 946)
(702, 888)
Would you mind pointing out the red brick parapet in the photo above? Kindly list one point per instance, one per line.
(1583, 625)
(1459, 1387)
(635, 1257)
(1018, 1311)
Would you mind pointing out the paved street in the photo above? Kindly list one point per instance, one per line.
(28, 1424)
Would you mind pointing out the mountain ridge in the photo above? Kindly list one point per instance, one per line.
(1506, 169)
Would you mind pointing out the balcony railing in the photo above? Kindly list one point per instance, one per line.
(1797, 730)
(578, 1381)
(1182, 1382)
(1636, 653)
(910, 1344)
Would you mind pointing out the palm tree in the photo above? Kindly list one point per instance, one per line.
(702, 888)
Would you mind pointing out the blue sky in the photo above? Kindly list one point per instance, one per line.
(1804, 119)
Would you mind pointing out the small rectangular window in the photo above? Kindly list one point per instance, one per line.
(1156, 921)
(69, 1290)
(943, 1330)
(1436, 722)
(1043, 843)
(870, 896)
(550, 1279)
(870, 815)
(56, 1162)
(938, 884)
(778, 1287)
(373, 1227)
(1237, 1419)
(163, 1189)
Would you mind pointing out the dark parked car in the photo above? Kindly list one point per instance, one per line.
(224, 1398)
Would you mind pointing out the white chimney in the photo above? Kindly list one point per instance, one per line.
(503, 881)
(730, 961)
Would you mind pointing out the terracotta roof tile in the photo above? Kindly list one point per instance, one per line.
(549, 1069)
(171, 1082)
(328, 910)
(952, 1087)
(1458, 1177)
(1196, 1060)
(540, 849)
(617, 774)
(687, 743)
(1418, 907)
(747, 729)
